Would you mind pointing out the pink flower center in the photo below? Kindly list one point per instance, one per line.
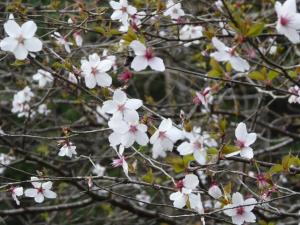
(197, 145)
(162, 135)
(94, 71)
(121, 108)
(124, 9)
(40, 190)
(133, 129)
(20, 39)
(240, 210)
(179, 184)
(149, 54)
(125, 76)
(240, 144)
(231, 52)
(117, 162)
(284, 21)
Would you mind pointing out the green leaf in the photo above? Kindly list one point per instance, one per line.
(255, 30)
(272, 75)
(148, 177)
(229, 149)
(276, 169)
(257, 75)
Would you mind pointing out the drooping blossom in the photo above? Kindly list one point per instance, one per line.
(120, 106)
(174, 10)
(99, 170)
(296, 97)
(164, 138)
(189, 32)
(238, 211)
(68, 149)
(94, 71)
(40, 191)
(15, 193)
(288, 20)
(122, 11)
(226, 54)
(145, 57)
(120, 161)
(203, 97)
(20, 40)
(61, 40)
(42, 77)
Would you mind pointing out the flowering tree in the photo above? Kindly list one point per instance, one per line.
(150, 112)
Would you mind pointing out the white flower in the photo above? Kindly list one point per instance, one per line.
(239, 212)
(43, 77)
(78, 38)
(68, 149)
(188, 32)
(72, 78)
(40, 190)
(127, 131)
(214, 191)
(219, 5)
(99, 170)
(62, 41)
(4, 161)
(164, 138)
(243, 142)
(20, 40)
(293, 98)
(16, 192)
(42, 109)
(101, 116)
(94, 71)
(173, 10)
(122, 11)
(21, 103)
(143, 196)
(120, 106)
(121, 160)
(186, 186)
(194, 146)
(135, 21)
(111, 58)
(204, 97)
(225, 53)
(145, 57)
(288, 22)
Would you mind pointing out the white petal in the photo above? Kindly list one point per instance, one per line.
(196, 203)
(138, 48)
(248, 202)
(174, 134)
(220, 46)
(131, 116)
(115, 5)
(165, 125)
(39, 198)
(90, 81)
(251, 138)
(220, 56)
(33, 44)
(119, 96)
(241, 132)
(12, 28)
(50, 194)
(28, 29)
(20, 52)
(215, 192)
(109, 106)
(289, 6)
(154, 137)
(249, 217)
(157, 64)
(179, 199)
(200, 156)
(239, 64)
(18, 191)
(191, 181)
(185, 148)
(105, 65)
(139, 63)
(133, 104)
(31, 192)
(131, 10)
(237, 198)
(247, 152)
(47, 185)
(114, 139)
(117, 15)
(238, 219)
(141, 138)
(103, 79)
(8, 44)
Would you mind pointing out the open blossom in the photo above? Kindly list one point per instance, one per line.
(164, 138)
(20, 40)
(40, 190)
(122, 11)
(43, 77)
(225, 53)
(288, 20)
(21, 101)
(145, 57)
(238, 212)
(194, 146)
(214, 191)
(134, 21)
(94, 71)
(99, 170)
(188, 32)
(68, 149)
(174, 10)
(243, 142)
(15, 193)
(120, 161)
(127, 131)
(294, 98)
(203, 97)
(120, 106)
(62, 41)
(185, 188)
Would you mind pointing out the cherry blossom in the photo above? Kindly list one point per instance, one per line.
(194, 146)
(214, 191)
(42, 109)
(43, 77)
(127, 131)
(5, 160)
(68, 149)
(72, 78)
(145, 57)
(225, 53)
(94, 71)
(186, 186)
(21, 101)
(62, 41)
(243, 142)
(294, 98)
(20, 40)
(99, 170)
(16, 192)
(188, 32)
(238, 211)
(122, 11)
(120, 161)
(288, 20)
(120, 106)
(101, 116)
(203, 97)
(164, 138)
(174, 10)
(40, 190)
(78, 38)
(135, 21)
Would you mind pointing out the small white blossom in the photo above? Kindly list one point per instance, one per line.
(188, 32)
(42, 109)
(174, 10)
(15, 193)
(204, 97)
(72, 78)
(225, 53)
(62, 41)
(238, 212)
(78, 38)
(68, 149)
(120, 161)
(21, 101)
(43, 77)
(145, 57)
(122, 11)
(5, 161)
(293, 98)
(94, 71)
(99, 170)
(164, 138)
(20, 40)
